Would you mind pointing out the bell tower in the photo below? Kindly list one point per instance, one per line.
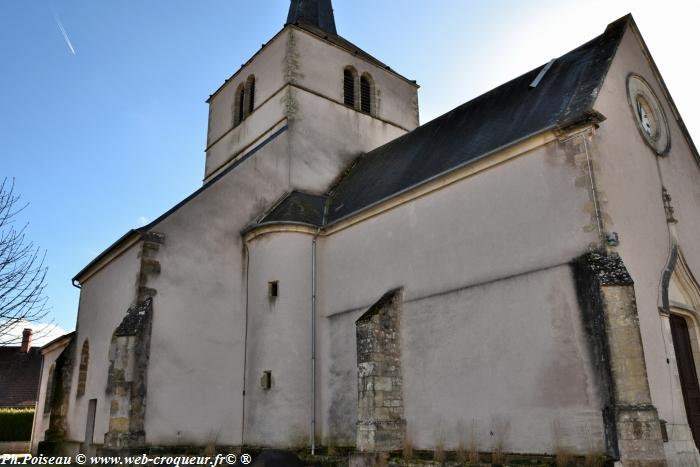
(329, 100)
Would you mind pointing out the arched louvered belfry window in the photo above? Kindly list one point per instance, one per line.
(84, 361)
(244, 100)
(349, 87)
(239, 105)
(250, 91)
(367, 94)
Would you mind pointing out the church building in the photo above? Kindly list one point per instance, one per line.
(518, 275)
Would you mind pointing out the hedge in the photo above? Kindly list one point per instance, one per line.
(16, 424)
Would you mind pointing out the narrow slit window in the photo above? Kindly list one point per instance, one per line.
(366, 94)
(273, 289)
(349, 87)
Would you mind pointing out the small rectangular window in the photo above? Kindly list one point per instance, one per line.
(273, 289)
(266, 380)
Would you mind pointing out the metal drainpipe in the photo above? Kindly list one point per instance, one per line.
(594, 193)
(36, 406)
(313, 342)
(245, 342)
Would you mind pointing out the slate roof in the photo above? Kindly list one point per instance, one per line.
(317, 13)
(19, 376)
(503, 116)
(298, 207)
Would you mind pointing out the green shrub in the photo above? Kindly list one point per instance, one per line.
(16, 424)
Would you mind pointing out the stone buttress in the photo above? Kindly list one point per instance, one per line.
(380, 418)
(607, 299)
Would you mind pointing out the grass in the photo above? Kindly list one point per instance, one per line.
(500, 433)
(473, 445)
(594, 456)
(594, 459)
(408, 447)
(439, 453)
(562, 456)
(461, 453)
(331, 451)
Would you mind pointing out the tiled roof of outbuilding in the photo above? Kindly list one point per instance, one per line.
(19, 376)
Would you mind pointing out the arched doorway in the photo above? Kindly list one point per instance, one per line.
(683, 299)
(687, 372)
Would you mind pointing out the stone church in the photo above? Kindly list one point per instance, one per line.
(519, 273)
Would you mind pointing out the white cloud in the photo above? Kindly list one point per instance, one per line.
(43, 333)
(143, 220)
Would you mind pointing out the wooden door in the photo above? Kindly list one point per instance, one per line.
(687, 373)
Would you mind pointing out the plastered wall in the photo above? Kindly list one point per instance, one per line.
(490, 319)
(104, 300)
(632, 176)
(279, 341)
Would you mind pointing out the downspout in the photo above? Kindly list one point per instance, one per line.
(594, 193)
(37, 414)
(313, 342)
(245, 338)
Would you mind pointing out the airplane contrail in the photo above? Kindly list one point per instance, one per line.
(63, 31)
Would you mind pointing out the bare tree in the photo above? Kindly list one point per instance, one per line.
(22, 270)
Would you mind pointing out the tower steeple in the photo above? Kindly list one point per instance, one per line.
(316, 13)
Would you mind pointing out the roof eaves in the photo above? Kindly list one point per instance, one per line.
(252, 227)
(130, 234)
(146, 228)
(56, 342)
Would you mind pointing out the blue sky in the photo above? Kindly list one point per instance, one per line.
(105, 139)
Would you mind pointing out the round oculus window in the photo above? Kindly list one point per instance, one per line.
(649, 114)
